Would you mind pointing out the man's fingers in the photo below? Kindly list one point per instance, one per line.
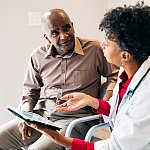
(24, 132)
(29, 131)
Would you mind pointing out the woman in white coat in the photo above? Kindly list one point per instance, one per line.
(127, 45)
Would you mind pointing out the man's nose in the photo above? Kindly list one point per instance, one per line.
(63, 35)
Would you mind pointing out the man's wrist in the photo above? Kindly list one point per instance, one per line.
(26, 107)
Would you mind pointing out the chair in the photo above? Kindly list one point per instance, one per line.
(91, 130)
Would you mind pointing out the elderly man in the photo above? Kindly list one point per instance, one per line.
(66, 64)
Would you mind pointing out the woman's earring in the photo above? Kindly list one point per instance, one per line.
(122, 63)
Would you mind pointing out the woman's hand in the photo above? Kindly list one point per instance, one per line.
(54, 135)
(50, 133)
(76, 101)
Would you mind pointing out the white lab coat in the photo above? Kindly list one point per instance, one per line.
(131, 129)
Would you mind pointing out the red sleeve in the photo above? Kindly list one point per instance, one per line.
(104, 108)
(78, 144)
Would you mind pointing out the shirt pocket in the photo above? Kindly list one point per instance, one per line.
(84, 77)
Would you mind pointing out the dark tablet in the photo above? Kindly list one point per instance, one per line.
(34, 118)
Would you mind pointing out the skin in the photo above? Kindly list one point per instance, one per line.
(80, 100)
(58, 31)
(76, 101)
(55, 136)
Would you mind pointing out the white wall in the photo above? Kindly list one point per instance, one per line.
(18, 39)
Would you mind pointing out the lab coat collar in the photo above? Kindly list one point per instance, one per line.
(139, 74)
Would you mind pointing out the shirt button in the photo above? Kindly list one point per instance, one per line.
(63, 71)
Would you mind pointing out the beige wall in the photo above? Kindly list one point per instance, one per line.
(18, 39)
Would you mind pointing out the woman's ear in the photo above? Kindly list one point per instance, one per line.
(125, 57)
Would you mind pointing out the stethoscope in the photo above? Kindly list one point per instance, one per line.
(127, 98)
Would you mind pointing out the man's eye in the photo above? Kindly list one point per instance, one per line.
(66, 27)
(54, 33)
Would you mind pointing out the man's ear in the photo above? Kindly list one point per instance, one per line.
(72, 24)
(49, 42)
(46, 37)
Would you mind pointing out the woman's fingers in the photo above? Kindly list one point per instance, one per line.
(62, 107)
(45, 131)
(67, 96)
(74, 102)
(70, 105)
(38, 128)
(33, 126)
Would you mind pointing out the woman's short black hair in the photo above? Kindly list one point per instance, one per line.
(129, 27)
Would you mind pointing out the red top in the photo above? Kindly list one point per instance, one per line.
(104, 109)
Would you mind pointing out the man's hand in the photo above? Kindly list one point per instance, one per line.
(25, 130)
(76, 101)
